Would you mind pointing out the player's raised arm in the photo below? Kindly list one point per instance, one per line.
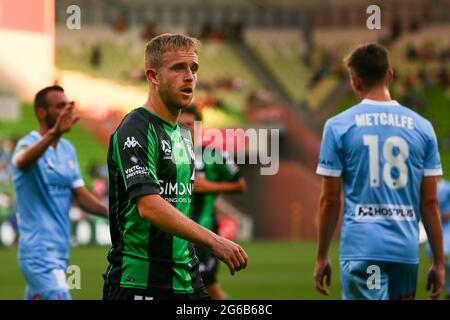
(431, 221)
(55, 116)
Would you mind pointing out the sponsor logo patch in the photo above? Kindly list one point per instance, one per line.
(385, 212)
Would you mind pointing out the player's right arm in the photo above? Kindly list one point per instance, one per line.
(163, 215)
(431, 221)
(28, 157)
(329, 208)
(429, 206)
(330, 167)
(143, 188)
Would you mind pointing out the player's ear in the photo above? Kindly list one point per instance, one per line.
(41, 112)
(355, 82)
(390, 75)
(151, 75)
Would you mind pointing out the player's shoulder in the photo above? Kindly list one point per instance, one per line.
(418, 119)
(137, 120)
(31, 137)
(26, 141)
(343, 120)
(135, 116)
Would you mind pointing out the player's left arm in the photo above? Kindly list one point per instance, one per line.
(89, 203)
(432, 222)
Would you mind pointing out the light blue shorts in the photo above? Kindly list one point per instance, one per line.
(46, 279)
(378, 280)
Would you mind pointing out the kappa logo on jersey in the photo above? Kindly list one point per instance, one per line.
(167, 149)
(131, 143)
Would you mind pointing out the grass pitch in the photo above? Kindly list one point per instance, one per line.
(276, 270)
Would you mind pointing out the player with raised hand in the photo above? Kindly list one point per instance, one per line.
(46, 177)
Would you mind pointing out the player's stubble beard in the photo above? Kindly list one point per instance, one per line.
(170, 99)
(50, 121)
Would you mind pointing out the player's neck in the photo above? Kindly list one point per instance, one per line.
(377, 94)
(155, 105)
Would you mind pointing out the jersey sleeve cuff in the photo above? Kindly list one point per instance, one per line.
(433, 172)
(138, 190)
(78, 184)
(328, 172)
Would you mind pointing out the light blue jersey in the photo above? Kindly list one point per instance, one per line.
(382, 151)
(44, 197)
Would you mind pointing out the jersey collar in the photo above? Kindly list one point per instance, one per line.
(159, 118)
(380, 103)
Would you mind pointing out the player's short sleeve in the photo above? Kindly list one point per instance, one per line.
(22, 145)
(432, 163)
(136, 152)
(229, 170)
(330, 158)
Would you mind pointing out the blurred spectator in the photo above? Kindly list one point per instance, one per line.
(206, 31)
(396, 29)
(411, 52)
(413, 96)
(424, 78)
(96, 56)
(261, 97)
(99, 188)
(443, 75)
(4, 173)
(148, 31)
(414, 26)
(120, 25)
(237, 31)
(97, 170)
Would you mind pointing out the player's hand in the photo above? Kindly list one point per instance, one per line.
(230, 253)
(65, 120)
(322, 271)
(202, 185)
(436, 280)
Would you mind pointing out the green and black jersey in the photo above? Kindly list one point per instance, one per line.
(215, 167)
(147, 155)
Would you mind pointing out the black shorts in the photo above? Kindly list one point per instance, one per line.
(209, 265)
(116, 292)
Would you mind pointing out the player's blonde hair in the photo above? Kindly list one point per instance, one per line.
(168, 42)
